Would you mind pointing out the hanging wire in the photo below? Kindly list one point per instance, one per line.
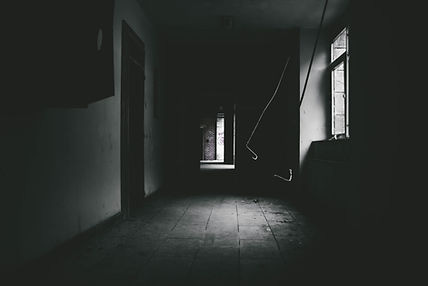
(313, 53)
(255, 156)
(290, 176)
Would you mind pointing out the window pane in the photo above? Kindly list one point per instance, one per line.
(220, 137)
(339, 103)
(339, 46)
(338, 99)
(339, 124)
(339, 79)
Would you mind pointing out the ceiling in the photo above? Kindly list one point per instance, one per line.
(246, 14)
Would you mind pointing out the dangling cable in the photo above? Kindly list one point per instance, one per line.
(255, 156)
(290, 176)
(313, 53)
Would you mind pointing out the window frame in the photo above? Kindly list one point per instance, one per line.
(343, 58)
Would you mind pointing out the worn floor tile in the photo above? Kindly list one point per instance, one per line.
(199, 239)
(262, 272)
(255, 232)
(165, 271)
(179, 247)
(214, 272)
(188, 231)
(258, 248)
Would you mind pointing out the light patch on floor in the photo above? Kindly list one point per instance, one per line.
(191, 240)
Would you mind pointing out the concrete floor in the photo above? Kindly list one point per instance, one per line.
(205, 239)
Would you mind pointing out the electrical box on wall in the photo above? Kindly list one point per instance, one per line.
(62, 53)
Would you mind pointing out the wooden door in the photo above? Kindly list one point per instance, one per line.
(132, 122)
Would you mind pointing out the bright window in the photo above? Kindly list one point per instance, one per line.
(220, 137)
(339, 45)
(339, 86)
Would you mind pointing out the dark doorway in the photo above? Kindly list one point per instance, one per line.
(132, 121)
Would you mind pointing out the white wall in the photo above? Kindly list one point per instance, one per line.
(60, 171)
(314, 112)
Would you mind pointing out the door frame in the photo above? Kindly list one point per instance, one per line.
(133, 49)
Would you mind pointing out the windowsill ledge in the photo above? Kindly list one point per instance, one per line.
(332, 139)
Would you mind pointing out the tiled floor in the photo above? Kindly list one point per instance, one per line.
(195, 240)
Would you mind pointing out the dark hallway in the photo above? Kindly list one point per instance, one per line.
(204, 142)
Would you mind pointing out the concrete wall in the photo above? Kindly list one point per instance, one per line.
(60, 171)
(359, 176)
(315, 109)
(324, 165)
(377, 112)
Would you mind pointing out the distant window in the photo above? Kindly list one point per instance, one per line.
(339, 85)
(217, 138)
(212, 138)
(220, 137)
(339, 45)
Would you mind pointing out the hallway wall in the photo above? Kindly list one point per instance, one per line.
(377, 114)
(135, 16)
(357, 176)
(60, 172)
(324, 164)
(315, 109)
